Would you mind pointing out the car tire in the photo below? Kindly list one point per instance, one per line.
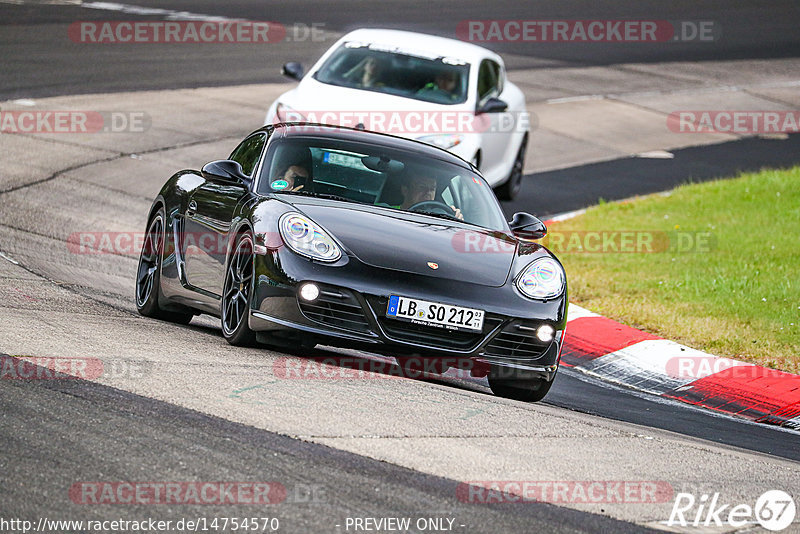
(509, 189)
(236, 293)
(148, 273)
(525, 389)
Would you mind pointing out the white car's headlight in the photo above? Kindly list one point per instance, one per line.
(444, 141)
(288, 114)
(542, 279)
(306, 238)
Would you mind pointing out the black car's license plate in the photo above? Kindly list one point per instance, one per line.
(435, 314)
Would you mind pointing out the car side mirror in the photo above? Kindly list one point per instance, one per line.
(526, 226)
(493, 105)
(293, 70)
(226, 170)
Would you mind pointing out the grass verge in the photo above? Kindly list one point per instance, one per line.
(715, 265)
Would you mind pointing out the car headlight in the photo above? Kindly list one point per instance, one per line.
(288, 114)
(307, 239)
(542, 279)
(444, 141)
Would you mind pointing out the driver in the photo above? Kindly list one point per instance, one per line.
(421, 189)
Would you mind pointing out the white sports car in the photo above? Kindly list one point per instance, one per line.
(448, 93)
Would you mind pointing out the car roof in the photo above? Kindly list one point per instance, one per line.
(299, 129)
(405, 40)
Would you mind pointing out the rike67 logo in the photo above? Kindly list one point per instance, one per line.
(774, 510)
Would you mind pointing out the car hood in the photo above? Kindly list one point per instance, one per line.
(406, 242)
(332, 104)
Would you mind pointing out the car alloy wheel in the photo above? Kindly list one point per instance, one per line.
(149, 260)
(236, 294)
(148, 273)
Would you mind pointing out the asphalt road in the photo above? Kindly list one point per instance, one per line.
(49, 441)
(39, 58)
(576, 391)
(555, 192)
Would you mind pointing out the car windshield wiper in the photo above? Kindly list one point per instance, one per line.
(318, 195)
(335, 197)
(439, 215)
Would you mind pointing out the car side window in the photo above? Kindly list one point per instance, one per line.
(488, 79)
(248, 152)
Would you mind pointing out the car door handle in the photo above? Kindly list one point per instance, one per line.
(191, 209)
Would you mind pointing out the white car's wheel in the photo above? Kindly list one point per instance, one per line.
(509, 189)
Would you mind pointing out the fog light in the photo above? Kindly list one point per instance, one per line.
(309, 291)
(545, 333)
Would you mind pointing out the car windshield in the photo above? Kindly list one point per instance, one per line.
(410, 74)
(380, 176)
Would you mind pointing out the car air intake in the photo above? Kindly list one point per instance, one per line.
(517, 342)
(337, 308)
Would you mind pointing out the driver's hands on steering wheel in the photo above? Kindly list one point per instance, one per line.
(441, 206)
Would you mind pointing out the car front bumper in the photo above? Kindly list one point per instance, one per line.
(351, 312)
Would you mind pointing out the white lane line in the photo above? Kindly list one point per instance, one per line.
(566, 215)
(9, 258)
(568, 99)
(42, 2)
(168, 14)
(656, 154)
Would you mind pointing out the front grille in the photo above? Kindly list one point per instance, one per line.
(429, 335)
(336, 307)
(516, 344)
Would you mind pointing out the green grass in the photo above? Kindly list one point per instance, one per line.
(738, 297)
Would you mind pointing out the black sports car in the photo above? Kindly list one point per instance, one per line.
(313, 234)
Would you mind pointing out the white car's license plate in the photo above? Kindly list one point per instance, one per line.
(435, 314)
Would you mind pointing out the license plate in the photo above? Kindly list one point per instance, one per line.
(434, 314)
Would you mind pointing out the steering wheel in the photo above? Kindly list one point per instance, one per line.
(433, 206)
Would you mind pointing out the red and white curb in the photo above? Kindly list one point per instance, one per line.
(617, 353)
